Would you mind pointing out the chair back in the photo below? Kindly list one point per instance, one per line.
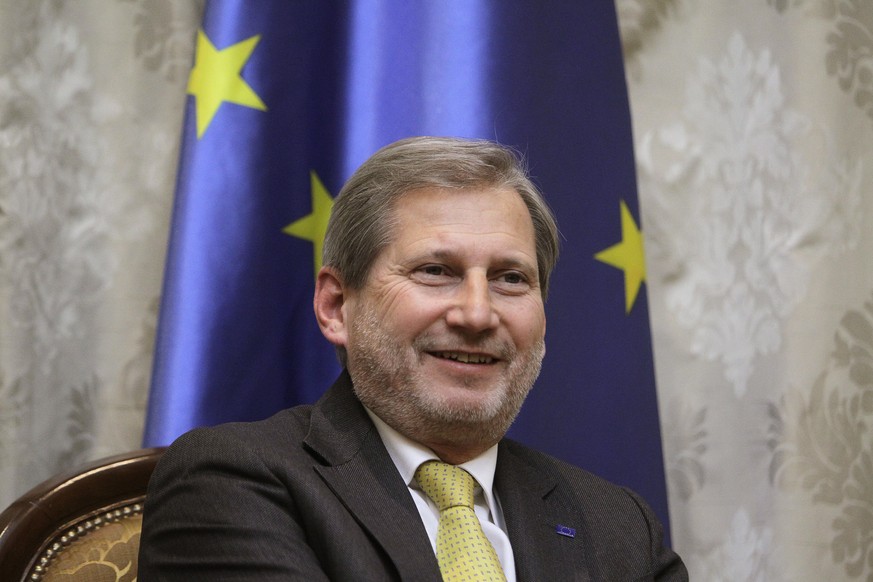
(83, 524)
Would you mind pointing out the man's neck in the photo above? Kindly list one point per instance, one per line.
(449, 452)
(454, 455)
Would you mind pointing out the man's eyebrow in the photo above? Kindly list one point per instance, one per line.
(448, 255)
(431, 255)
(529, 269)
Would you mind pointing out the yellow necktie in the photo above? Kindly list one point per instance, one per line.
(463, 551)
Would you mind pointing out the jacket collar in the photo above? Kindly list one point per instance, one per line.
(358, 469)
(538, 514)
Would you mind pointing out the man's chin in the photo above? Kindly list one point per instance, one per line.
(472, 413)
(461, 423)
(471, 404)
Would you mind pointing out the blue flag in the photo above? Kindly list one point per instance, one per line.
(288, 98)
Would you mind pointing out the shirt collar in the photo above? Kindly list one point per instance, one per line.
(408, 455)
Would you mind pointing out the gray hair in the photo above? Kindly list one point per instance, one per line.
(362, 221)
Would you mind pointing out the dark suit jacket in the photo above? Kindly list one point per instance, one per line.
(312, 494)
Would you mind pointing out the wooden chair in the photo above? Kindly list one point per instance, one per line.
(82, 525)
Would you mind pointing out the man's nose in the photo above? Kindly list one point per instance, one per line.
(472, 307)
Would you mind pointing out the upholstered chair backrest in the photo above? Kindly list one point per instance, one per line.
(83, 525)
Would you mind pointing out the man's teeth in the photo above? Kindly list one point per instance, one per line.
(467, 358)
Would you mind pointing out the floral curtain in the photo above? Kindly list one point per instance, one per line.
(91, 104)
(753, 126)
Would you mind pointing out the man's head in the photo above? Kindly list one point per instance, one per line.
(436, 261)
(361, 221)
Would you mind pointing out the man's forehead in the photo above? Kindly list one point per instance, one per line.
(422, 205)
(437, 220)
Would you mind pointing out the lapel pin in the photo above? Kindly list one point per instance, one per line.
(565, 531)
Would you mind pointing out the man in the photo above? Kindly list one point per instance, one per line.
(436, 267)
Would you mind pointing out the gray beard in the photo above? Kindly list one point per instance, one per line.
(389, 384)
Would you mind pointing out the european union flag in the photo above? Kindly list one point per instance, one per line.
(288, 98)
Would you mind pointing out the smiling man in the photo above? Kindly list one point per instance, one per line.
(436, 267)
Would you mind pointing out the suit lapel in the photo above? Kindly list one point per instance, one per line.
(362, 475)
(534, 507)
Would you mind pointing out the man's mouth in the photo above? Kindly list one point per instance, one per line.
(465, 357)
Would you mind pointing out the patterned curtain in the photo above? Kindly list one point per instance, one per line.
(753, 126)
(91, 101)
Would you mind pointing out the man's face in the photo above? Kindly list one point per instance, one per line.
(446, 337)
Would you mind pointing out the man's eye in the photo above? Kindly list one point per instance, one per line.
(434, 270)
(513, 278)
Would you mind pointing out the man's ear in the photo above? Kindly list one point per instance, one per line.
(330, 297)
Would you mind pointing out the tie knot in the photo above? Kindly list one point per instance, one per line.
(447, 485)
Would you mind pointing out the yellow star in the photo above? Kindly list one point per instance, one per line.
(313, 226)
(216, 78)
(627, 256)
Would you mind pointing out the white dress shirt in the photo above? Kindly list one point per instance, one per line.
(408, 455)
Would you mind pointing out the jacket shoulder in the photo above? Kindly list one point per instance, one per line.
(264, 439)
